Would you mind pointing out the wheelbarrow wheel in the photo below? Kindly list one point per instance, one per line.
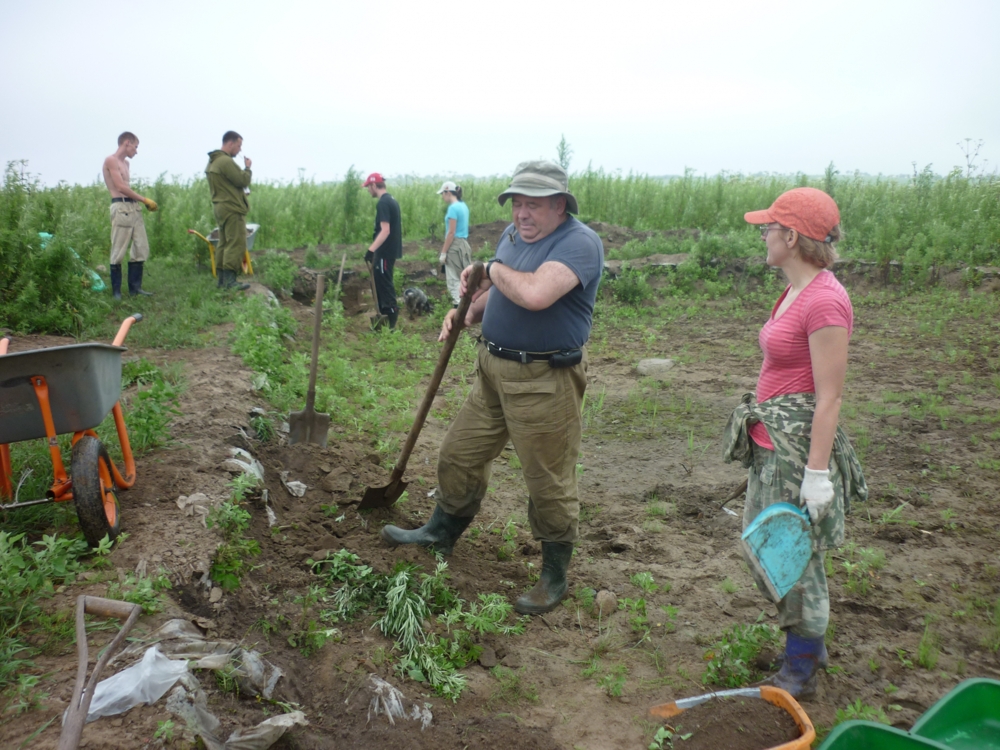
(94, 491)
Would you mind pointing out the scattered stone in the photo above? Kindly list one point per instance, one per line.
(511, 662)
(654, 368)
(349, 666)
(488, 658)
(606, 602)
(337, 480)
(325, 468)
(216, 595)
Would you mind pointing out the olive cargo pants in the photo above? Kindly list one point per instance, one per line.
(538, 408)
(232, 242)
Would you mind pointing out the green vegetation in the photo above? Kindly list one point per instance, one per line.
(730, 659)
(231, 561)
(664, 738)
(859, 711)
(511, 687)
(144, 591)
(407, 600)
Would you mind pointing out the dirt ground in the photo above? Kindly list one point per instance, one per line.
(652, 483)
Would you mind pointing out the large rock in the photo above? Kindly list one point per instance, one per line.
(654, 368)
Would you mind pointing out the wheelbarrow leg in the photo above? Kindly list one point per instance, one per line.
(76, 714)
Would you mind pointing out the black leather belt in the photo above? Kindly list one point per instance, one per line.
(516, 355)
(124, 200)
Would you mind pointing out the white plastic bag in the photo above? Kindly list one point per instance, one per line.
(144, 682)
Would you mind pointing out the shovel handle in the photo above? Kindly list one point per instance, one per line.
(475, 277)
(317, 322)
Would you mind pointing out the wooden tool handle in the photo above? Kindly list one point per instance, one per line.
(96, 605)
(475, 277)
(317, 322)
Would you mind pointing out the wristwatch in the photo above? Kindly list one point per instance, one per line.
(489, 264)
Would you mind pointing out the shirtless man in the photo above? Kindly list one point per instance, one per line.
(126, 218)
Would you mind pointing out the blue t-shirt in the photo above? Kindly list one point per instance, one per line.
(566, 323)
(460, 213)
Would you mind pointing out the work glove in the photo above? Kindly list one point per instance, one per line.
(369, 257)
(443, 258)
(816, 493)
(150, 204)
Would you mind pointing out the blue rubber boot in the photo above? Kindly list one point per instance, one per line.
(800, 666)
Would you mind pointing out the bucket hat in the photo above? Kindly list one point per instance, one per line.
(810, 212)
(538, 179)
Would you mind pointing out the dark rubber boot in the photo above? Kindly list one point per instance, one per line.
(116, 281)
(800, 666)
(229, 281)
(393, 317)
(551, 587)
(440, 533)
(135, 280)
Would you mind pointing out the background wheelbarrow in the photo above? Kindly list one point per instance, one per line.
(213, 239)
(62, 390)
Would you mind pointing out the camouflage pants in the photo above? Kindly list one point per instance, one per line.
(805, 610)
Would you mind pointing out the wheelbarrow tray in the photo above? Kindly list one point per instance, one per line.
(213, 237)
(84, 383)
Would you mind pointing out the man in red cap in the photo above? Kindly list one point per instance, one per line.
(386, 247)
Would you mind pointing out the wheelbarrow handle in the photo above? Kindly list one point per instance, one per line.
(126, 325)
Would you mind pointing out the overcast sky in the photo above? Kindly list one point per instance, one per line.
(428, 88)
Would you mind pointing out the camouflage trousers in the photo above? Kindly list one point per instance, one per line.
(805, 610)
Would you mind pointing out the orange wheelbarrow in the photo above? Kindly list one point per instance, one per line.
(62, 390)
(213, 239)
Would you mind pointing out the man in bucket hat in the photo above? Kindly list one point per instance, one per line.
(536, 304)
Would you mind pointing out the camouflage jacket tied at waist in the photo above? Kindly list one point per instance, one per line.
(788, 419)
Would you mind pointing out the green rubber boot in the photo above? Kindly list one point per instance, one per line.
(440, 533)
(551, 587)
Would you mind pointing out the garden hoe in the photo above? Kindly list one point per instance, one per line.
(307, 426)
(377, 318)
(383, 497)
(83, 690)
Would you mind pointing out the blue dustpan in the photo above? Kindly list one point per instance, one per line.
(778, 545)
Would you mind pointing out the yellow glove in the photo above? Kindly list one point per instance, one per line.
(150, 204)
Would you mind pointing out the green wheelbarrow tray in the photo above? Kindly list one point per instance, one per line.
(967, 718)
(84, 384)
(869, 735)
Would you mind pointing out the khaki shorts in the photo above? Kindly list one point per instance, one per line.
(127, 227)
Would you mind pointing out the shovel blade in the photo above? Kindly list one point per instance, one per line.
(308, 427)
(382, 497)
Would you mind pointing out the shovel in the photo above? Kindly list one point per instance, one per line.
(307, 426)
(377, 318)
(778, 545)
(383, 497)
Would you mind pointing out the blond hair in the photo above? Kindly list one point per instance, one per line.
(822, 254)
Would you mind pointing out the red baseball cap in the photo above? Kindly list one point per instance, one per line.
(810, 212)
(373, 178)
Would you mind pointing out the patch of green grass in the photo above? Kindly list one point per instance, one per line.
(232, 557)
(511, 687)
(928, 650)
(144, 591)
(730, 659)
(860, 711)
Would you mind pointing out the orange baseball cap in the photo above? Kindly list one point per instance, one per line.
(810, 212)
(373, 178)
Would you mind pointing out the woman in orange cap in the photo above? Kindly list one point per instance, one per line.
(789, 439)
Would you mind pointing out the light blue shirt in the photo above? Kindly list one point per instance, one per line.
(460, 213)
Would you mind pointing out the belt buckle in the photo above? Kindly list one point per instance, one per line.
(524, 358)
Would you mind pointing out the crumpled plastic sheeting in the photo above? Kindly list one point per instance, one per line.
(390, 701)
(295, 489)
(183, 640)
(145, 681)
(189, 703)
(242, 461)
